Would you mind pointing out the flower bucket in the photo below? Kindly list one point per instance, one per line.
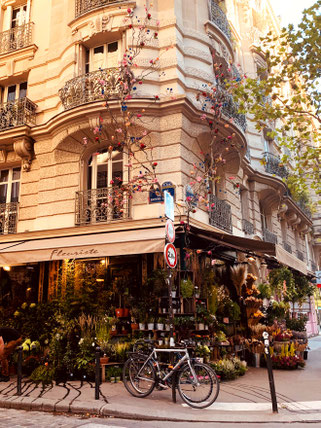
(125, 312)
(167, 327)
(201, 326)
(119, 312)
(150, 326)
(141, 326)
(257, 358)
(159, 326)
(134, 326)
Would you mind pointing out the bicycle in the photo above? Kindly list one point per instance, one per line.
(196, 382)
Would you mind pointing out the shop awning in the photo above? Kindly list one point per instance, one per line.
(263, 248)
(139, 241)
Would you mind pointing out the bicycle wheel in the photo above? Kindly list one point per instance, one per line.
(199, 395)
(139, 380)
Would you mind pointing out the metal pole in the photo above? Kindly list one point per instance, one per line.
(97, 373)
(170, 307)
(270, 372)
(19, 371)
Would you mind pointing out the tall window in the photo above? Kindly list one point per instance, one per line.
(19, 16)
(265, 218)
(105, 170)
(14, 92)
(9, 185)
(104, 56)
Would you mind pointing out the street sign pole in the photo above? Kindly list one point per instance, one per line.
(270, 371)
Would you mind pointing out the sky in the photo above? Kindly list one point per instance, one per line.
(290, 10)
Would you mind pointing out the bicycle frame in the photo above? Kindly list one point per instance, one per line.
(153, 357)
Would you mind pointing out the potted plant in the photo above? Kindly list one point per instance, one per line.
(150, 323)
(160, 324)
(102, 331)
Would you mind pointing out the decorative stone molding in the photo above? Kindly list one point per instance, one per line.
(23, 147)
(3, 156)
(282, 210)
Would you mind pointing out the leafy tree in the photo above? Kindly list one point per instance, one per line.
(286, 100)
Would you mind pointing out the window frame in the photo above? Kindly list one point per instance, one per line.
(10, 182)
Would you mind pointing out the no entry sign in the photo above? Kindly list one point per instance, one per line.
(170, 255)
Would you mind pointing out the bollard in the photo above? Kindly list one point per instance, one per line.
(97, 373)
(270, 371)
(19, 371)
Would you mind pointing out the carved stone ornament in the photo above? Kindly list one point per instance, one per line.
(100, 24)
(24, 149)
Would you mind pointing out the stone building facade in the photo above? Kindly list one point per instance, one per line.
(52, 53)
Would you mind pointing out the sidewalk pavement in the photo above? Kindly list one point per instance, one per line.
(246, 399)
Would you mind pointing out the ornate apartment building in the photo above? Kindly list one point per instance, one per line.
(53, 187)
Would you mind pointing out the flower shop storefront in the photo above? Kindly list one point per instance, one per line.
(112, 289)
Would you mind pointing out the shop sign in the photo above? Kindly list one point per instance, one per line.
(170, 231)
(169, 186)
(170, 255)
(59, 253)
(169, 205)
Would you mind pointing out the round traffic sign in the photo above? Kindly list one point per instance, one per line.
(170, 231)
(170, 255)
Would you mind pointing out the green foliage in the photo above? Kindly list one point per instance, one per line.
(229, 369)
(276, 311)
(292, 56)
(296, 324)
(265, 290)
(187, 288)
(43, 374)
(283, 284)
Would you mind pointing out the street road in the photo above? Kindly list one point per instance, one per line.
(10, 418)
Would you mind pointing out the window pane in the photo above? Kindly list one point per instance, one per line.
(11, 93)
(16, 174)
(3, 193)
(15, 191)
(113, 47)
(4, 175)
(98, 50)
(101, 176)
(23, 90)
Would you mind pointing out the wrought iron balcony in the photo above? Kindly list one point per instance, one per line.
(273, 165)
(220, 20)
(230, 109)
(287, 247)
(8, 217)
(247, 227)
(16, 38)
(91, 87)
(16, 113)
(220, 215)
(83, 6)
(300, 255)
(269, 236)
(101, 205)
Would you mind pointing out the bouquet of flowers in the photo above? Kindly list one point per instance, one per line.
(287, 362)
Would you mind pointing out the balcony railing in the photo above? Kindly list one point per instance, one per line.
(273, 165)
(8, 217)
(269, 236)
(248, 227)
(101, 205)
(287, 247)
(230, 109)
(220, 20)
(300, 255)
(16, 38)
(91, 87)
(220, 215)
(17, 113)
(83, 6)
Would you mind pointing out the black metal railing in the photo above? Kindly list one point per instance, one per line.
(269, 236)
(83, 6)
(16, 38)
(8, 217)
(274, 165)
(17, 113)
(220, 214)
(247, 227)
(230, 109)
(101, 205)
(220, 20)
(287, 247)
(90, 87)
(300, 255)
